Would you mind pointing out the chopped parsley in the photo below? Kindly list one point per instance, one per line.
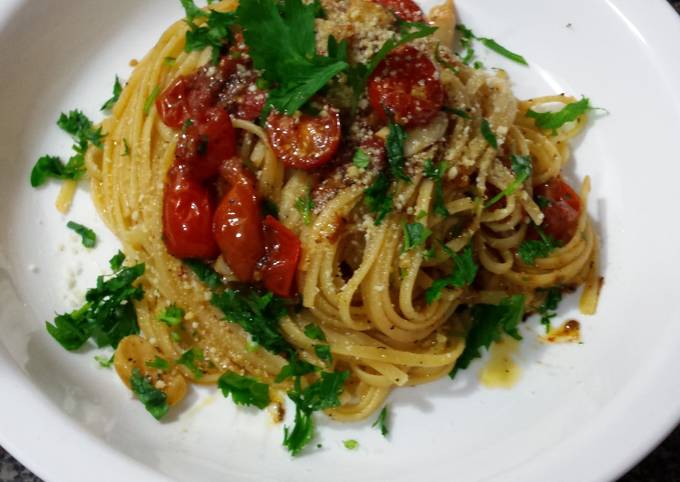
(244, 390)
(305, 206)
(521, 166)
(148, 103)
(547, 309)
(378, 199)
(466, 40)
(295, 368)
(361, 159)
(395, 150)
(415, 234)
(117, 260)
(208, 276)
(172, 315)
(464, 273)
(459, 112)
(108, 314)
(117, 89)
(214, 34)
(554, 120)
(436, 174)
(531, 249)
(257, 314)
(126, 148)
(350, 444)
(488, 134)
(154, 400)
(104, 362)
(87, 236)
(281, 42)
(314, 332)
(324, 353)
(83, 133)
(159, 364)
(489, 323)
(320, 395)
(189, 359)
(444, 63)
(381, 422)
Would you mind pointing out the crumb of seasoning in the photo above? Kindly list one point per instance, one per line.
(350, 444)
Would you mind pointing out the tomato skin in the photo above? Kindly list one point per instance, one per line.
(237, 228)
(204, 144)
(304, 142)
(407, 85)
(282, 253)
(187, 217)
(172, 105)
(562, 213)
(406, 10)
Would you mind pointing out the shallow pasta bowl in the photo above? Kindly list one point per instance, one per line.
(580, 412)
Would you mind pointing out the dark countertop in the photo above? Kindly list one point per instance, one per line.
(662, 465)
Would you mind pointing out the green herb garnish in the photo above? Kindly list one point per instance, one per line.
(87, 236)
(464, 273)
(436, 173)
(244, 390)
(117, 260)
(521, 166)
(104, 362)
(324, 353)
(159, 364)
(314, 332)
(529, 250)
(350, 444)
(547, 309)
(117, 89)
(211, 278)
(172, 315)
(381, 422)
(189, 359)
(361, 159)
(554, 120)
(395, 150)
(154, 400)
(377, 197)
(151, 99)
(467, 36)
(305, 206)
(488, 134)
(415, 234)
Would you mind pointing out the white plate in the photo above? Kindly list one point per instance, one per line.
(580, 412)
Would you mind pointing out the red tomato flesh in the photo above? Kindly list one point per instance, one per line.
(406, 10)
(237, 228)
(187, 218)
(282, 253)
(406, 84)
(563, 210)
(305, 141)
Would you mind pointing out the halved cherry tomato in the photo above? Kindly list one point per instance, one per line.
(407, 10)
(206, 143)
(304, 142)
(282, 253)
(172, 105)
(406, 84)
(562, 212)
(237, 228)
(187, 217)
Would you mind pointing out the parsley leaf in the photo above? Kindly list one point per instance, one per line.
(104, 362)
(459, 112)
(192, 11)
(350, 444)
(116, 261)
(320, 395)
(117, 89)
(547, 309)
(281, 42)
(81, 129)
(415, 234)
(159, 364)
(314, 332)
(467, 36)
(257, 314)
(108, 314)
(305, 206)
(489, 322)
(148, 103)
(521, 166)
(189, 358)
(555, 120)
(154, 400)
(436, 173)
(324, 353)
(464, 273)
(172, 315)
(395, 150)
(211, 278)
(378, 199)
(381, 422)
(491, 44)
(488, 134)
(87, 236)
(295, 368)
(361, 159)
(244, 390)
(529, 250)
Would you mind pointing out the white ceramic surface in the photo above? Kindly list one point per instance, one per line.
(580, 412)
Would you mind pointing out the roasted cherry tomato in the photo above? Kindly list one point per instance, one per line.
(406, 85)
(282, 253)
(206, 143)
(172, 104)
(187, 217)
(406, 10)
(237, 228)
(562, 211)
(304, 142)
